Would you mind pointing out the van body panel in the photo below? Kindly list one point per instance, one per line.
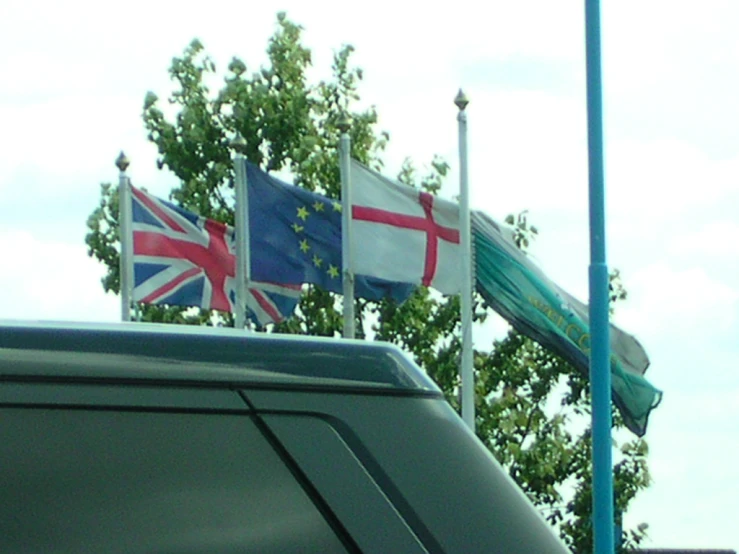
(155, 438)
(440, 477)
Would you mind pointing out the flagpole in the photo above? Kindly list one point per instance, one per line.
(346, 225)
(600, 374)
(467, 369)
(125, 236)
(241, 210)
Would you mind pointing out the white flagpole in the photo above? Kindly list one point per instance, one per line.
(241, 211)
(346, 227)
(125, 236)
(466, 370)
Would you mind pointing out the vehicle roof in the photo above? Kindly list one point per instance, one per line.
(206, 355)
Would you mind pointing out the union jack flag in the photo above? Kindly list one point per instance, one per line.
(182, 259)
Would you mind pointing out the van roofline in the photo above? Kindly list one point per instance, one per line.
(165, 329)
(207, 355)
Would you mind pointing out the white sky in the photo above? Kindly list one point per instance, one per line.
(74, 76)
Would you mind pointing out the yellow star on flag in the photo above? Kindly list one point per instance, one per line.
(297, 228)
(317, 261)
(304, 246)
(337, 206)
(302, 213)
(333, 271)
(318, 206)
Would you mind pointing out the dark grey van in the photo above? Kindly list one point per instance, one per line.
(138, 438)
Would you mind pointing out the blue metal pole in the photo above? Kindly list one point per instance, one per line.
(600, 373)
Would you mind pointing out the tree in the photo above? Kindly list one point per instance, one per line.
(531, 405)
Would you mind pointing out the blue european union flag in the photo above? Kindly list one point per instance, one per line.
(295, 238)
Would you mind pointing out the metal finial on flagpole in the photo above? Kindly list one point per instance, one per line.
(466, 367)
(241, 219)
(238, 143)
(461, 100)
(122, 162)
(125, 236)
(344, 124)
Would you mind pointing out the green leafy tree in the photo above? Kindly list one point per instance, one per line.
(532, 407)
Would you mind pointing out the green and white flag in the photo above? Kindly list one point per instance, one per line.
(536, 307)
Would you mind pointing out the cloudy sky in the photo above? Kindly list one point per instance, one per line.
(74, 76)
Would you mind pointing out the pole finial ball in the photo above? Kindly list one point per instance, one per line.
(238, 143)
(461, 100)
(344, 122)
(121, 161)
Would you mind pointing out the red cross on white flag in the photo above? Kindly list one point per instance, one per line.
(400, 233)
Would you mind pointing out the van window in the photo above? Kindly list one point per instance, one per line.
(78, 480)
